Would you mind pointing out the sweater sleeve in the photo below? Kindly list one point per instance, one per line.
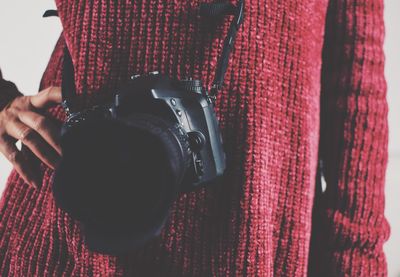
(349, 226)
(8, 91)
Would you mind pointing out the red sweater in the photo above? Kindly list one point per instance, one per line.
(259, 220)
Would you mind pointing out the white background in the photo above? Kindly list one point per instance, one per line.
(27, 40)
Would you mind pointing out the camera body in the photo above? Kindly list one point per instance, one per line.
(186, 104)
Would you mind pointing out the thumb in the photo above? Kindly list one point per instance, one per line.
(46, 97)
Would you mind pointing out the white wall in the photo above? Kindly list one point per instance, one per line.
(27, 41)
(392, 72)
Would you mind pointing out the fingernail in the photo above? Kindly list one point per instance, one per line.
(59, 151)
(34, 184)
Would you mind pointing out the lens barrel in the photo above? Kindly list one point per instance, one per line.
(120, 177)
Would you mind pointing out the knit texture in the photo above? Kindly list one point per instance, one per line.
(259, 220)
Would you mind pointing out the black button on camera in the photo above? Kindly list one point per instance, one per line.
(199, 167)
(197, 140)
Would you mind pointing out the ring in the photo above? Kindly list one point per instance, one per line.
(23, 134)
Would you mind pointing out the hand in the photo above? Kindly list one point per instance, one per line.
(22, 120)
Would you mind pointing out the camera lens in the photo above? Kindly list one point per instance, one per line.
(121, 176)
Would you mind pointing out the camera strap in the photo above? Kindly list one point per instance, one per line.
(214, 10)
(68, 87)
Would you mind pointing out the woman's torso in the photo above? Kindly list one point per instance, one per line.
(257, 221)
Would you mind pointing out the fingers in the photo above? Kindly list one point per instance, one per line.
(43, 126)
(34, 142)
(40, 135)
(46, 97)
(19, 161)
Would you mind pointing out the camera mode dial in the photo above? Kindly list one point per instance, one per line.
(192, 85)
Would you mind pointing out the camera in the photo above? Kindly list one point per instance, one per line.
(125, 163)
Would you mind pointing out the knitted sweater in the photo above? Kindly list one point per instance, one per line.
(295, 64)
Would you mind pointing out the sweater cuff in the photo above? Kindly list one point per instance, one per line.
(358, 262)
(8, 92)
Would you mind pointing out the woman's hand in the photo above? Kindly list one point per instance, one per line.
(22, 120)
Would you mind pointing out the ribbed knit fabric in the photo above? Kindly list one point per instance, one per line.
(259, 220)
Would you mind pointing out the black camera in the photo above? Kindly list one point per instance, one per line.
(158, 138)
(126, 162)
